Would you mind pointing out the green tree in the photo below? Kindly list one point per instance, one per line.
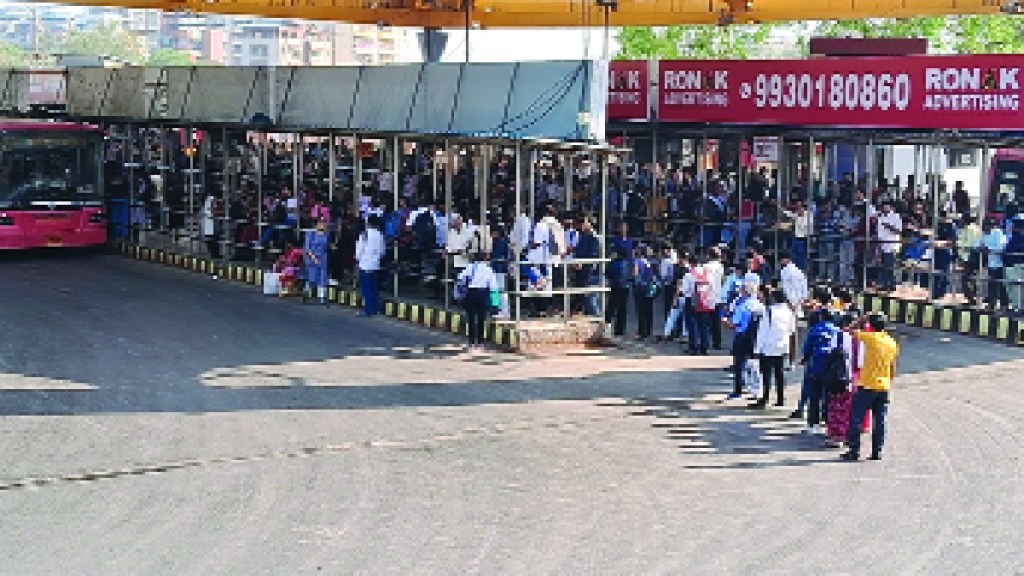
(107, 40)
(701, 42)
(13, 56)
(169, 57)
(980, 34)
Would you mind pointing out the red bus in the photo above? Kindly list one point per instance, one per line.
(1006, 181)
(51, 187)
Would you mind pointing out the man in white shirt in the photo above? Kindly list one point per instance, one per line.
(369, 251)
(457, 245)
(716, 275)
(993, 244)
(889, 228)
(803, 225)
(794, 287)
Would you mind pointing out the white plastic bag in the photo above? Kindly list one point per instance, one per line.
(271, 284)
(752, 378)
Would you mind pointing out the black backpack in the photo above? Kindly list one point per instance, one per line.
(424, 230)
(836, 373)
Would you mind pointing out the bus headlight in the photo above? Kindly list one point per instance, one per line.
(6, 220)
(97, 218)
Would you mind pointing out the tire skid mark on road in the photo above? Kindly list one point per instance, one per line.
(951, 481)
(417, 444)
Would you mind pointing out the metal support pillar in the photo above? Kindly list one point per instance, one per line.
(332, 166)
(602, 231)
(518, 249)
(451, 158)
(395, 177)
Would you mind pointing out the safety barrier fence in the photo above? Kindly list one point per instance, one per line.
(958, 320)
(425, 315)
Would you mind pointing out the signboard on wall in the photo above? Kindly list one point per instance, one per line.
(918, 92)
(628, 90)
(765, 149)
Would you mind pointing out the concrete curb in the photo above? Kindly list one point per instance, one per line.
(957, 320)
(428, 316)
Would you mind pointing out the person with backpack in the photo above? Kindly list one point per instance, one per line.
(703, 302)
(743, 319)
(841, 384)
(818, 345)
(479, 280)
(645, 289)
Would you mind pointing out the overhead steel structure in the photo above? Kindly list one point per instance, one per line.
(568, 13)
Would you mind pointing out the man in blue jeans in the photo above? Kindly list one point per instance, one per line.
(369, 252)
(746, 312)
(880, 354)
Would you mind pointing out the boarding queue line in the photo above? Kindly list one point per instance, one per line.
(951, 319)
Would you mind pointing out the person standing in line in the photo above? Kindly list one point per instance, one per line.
(702, 301)
(619, 273)
(880, 355)
(677, 322)
(821, 339)
(794, 286)
(501, 255)
(840, 402)
(772, 346)
(889, 230)
(587, 275)
(1013, 259)
(993, 243)
(645, 290)
(716, 277)
(369, 252)
(480, 280)
(744, 319)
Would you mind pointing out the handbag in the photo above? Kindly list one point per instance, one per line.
(752, 378)
(461, 288)
(495, 299)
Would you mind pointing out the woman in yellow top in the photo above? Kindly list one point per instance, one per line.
(880, 354)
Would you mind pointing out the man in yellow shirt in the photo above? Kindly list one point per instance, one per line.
(880, 354)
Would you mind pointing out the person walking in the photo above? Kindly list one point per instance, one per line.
(771, 346)
(369, 252)
(315, 253)
(880, 355)
(480, 280)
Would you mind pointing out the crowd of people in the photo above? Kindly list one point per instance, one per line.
(697, 267)
(845, 233)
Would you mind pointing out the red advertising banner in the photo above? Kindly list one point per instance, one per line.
(917, 92)
(628, 89)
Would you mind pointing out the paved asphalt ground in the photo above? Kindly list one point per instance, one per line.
(154, 421)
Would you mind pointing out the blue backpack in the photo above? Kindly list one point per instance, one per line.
(393, 225)
(646, 282)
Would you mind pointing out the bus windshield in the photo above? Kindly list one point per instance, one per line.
(48, 169)
(1007, 184)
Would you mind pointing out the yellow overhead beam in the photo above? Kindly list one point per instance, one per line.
(565, 13)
